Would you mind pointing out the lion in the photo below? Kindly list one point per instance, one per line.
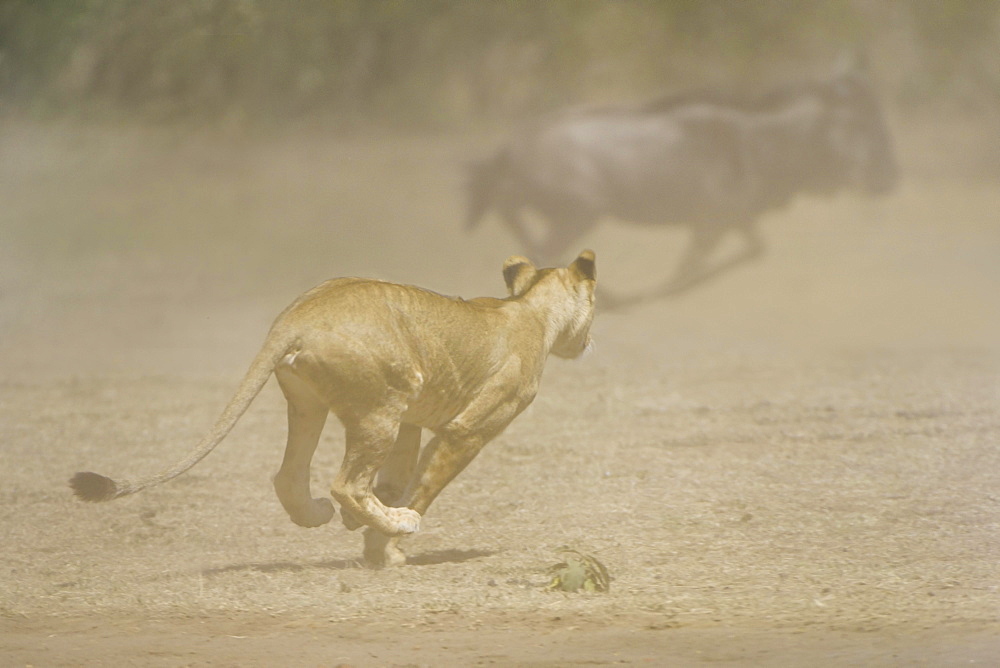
(390, 360)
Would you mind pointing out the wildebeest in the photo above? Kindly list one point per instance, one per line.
(706, 160)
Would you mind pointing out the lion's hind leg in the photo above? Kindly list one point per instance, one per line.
(382, 551)
(306, 416)
(370, 439)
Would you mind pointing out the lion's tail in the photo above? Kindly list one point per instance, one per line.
(95, 487)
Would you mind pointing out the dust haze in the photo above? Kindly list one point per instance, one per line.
(794, 462)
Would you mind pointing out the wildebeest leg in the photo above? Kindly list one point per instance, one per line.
(563, 233)
(515, 222)
(693, 271)
(382, 550)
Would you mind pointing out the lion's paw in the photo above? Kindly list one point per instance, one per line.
(317, 513)
(402, 521)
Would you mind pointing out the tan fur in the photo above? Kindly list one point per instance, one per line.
(390, 360)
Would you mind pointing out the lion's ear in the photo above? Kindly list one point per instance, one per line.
(517, 273)
(584, 266)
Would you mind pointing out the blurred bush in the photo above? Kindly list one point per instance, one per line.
(433, 63)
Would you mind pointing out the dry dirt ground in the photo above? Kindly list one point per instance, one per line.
(796, 464)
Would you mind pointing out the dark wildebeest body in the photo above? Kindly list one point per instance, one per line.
(710, 162)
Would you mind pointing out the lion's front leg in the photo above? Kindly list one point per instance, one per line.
(441, 462)
(398, 469)
(395, 474)
(458, 442)
(369, 442)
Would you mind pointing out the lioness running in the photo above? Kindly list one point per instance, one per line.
(389, 360)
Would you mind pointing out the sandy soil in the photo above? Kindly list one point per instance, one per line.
(796, 464)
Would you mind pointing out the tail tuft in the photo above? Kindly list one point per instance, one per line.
(93, 487)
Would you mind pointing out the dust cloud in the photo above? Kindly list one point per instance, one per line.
(797, 458)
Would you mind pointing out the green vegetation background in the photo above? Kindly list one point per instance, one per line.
(440, 63)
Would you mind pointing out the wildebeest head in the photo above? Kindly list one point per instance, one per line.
(857, 137)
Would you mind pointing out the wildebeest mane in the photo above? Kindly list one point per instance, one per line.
(742, 100)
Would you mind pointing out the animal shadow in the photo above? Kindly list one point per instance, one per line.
(422, 559)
